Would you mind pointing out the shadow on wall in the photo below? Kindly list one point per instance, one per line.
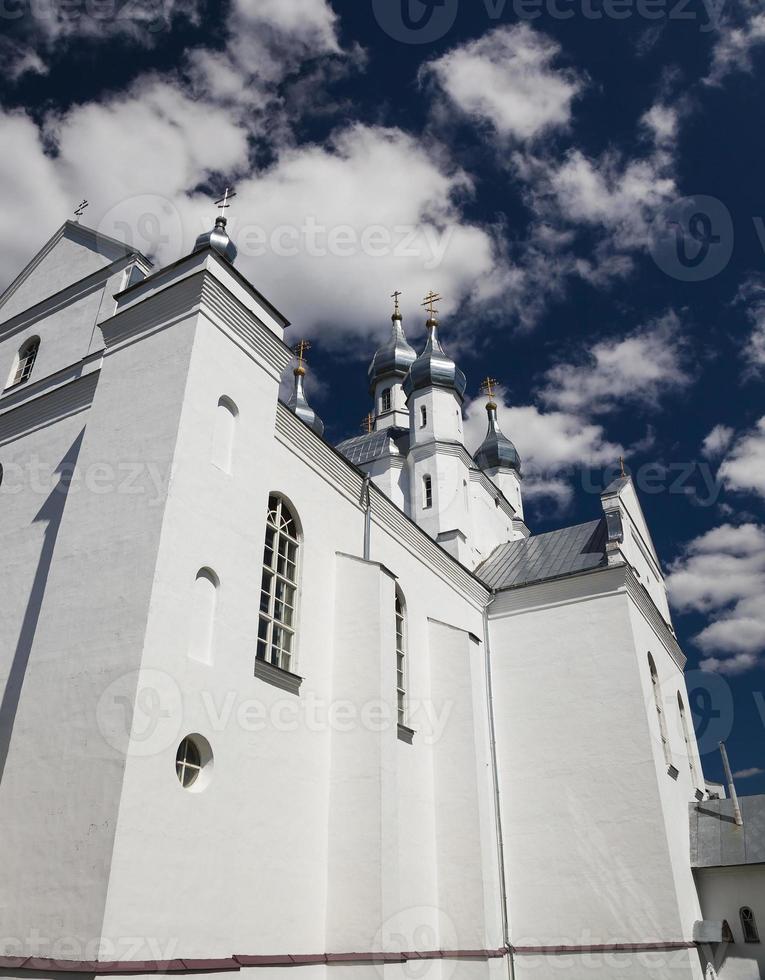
(50, 513)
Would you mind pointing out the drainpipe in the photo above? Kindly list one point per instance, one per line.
(495, 779)
(366, 501)
(731, 787)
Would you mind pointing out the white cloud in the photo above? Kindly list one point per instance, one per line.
(743, 468)
(722, 574)
(717, 442)
(748, 773)
(506, 79)
(372, 207)
(621, 197)
(637, 369)
(736, 40)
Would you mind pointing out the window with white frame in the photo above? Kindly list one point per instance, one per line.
(660, 711)
(427, 492)
(748, 925)
(278, 590)
(423, 416)
(25, 361)
(386, 400)
(400, 658)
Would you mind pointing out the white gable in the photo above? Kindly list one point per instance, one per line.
(72, 254)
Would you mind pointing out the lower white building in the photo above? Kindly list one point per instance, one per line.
(278, 708)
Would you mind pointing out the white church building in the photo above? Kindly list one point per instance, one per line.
(289, 710)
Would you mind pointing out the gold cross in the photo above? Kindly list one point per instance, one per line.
(81, 207)
(300, 351)
(368, 424)
(621, 463)
(395, 297)
(487, 387)
(430, 300)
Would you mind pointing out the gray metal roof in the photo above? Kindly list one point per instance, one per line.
(546, 556)
(716, 841)
(372, 445)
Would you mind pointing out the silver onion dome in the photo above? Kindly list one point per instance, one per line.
(298, 403)
(218, 240)
(394, 358)
(496, 451)
(434, 367)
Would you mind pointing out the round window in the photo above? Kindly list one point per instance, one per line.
(193, 762)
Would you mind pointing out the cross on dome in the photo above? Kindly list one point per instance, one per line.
(430, 300)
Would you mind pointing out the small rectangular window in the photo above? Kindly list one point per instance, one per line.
(427, 492)
(386, 400)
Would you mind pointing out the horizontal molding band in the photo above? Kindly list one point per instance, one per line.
(603, 948)
(313, 959)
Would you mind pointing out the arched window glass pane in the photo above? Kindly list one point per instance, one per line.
(748, 925)
(26, 361)
(400, 659)
(278, 588)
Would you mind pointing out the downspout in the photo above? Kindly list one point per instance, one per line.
(495, 779)
(731, 786)
(366, 501)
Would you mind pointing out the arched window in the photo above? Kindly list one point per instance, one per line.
(660, 711)
(400, 658)
(203, 616)
(223, 437)
(386, 400)
(278, 590)
(423, 416)
(427, 492)
(748, 925)
(25, 361)
(687, 737)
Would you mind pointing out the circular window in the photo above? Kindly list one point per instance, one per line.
(193, 762)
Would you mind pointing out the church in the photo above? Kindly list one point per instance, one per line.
(293, 710)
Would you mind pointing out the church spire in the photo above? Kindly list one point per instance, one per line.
(218, 239)
(395, 357)
(496, 451)
(434, 367)
(298, 403)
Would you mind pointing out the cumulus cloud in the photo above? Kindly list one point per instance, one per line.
(372, 206)
(507, 79)
(743, 469)
(716, 443)
(736, 39)
(722, 574)
(637, 369)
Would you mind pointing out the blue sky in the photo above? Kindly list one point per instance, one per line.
(580, 179)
